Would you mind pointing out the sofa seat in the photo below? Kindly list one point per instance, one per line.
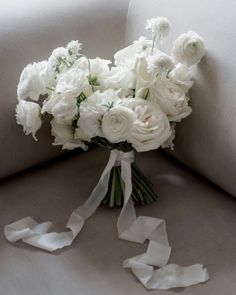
(200, 223)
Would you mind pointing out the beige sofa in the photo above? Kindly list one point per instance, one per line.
(195, 198)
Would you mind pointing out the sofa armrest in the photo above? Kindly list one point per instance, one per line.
(29, 31)
(206, 140)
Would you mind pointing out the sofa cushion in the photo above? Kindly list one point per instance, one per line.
(29, 31)
(206, 140)
(200, 224)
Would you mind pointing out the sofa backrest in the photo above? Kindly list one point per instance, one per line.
(29, 31)
(206, 141)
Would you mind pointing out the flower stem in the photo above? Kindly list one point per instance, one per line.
(142, 192)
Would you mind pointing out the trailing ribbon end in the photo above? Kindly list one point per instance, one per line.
(130, 227)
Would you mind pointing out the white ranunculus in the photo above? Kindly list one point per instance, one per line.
(92, 109)
(160, 27)
(28, 115)
(120, 78)
(33, 81)
(129, 55)
(159, 64)
(188, 49)
(117, 123)
(181, 76)
(64, 135)
(151, 127)
(144, 78)
(171, 98)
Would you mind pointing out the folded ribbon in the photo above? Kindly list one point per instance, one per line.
(129, 228)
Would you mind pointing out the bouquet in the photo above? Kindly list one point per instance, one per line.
(131, 105)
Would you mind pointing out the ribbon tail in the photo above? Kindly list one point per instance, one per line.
(39, 235)
(158, 252)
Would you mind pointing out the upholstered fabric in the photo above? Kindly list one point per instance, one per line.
(200, 223)
(29, 31)
(205, 141)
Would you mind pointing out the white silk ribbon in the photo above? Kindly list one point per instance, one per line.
(130, 227)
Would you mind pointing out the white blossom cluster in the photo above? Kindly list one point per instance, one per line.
(138, 100)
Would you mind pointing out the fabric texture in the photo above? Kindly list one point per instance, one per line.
(206, 140)
(200, 222)
(29, 31)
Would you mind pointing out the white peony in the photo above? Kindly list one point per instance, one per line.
(92, 109)
(181, 75)
(188, 49)
(64, 135)
(159, 64)
(151, 127)
(117, 123)
(120, 78)
(28, 115)
(33, 81)
(171, 98)
(160, 27)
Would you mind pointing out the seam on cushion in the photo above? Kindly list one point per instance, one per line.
(126, 21)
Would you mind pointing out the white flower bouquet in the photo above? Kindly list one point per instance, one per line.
(131, 105)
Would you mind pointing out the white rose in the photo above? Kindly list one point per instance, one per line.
(64, 135)
(171, 98)
(160, 27)
(151, 127)
(92, 109)
(117, 123)
(120, 78)
(28, 115)
(159, 64)
(33, 81)
(188, 49)
(62, 106)
(169, 142)
(128, 55)
(181, 75)
(79, 134)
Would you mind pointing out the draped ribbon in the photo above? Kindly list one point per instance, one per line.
(130, 227)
